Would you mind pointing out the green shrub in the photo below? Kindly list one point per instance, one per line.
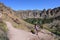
(3, 31)
(3, 26)
(38, 20)
(55, 30)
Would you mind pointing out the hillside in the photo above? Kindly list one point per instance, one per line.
(25, 19)
(9, 15)
(48, 19)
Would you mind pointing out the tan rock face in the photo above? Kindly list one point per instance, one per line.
(50, 13)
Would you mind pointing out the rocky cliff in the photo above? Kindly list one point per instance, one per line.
(50, 13)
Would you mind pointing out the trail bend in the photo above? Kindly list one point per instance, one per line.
(18, 34)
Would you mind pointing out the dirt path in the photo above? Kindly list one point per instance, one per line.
(15, 34)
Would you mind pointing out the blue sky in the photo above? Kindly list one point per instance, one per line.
(31, 4)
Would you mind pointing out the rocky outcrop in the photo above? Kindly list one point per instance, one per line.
(50, 13)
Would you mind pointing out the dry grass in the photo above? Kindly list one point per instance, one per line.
(23, 25)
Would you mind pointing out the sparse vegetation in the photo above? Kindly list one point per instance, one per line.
(39, 21)
(55, 30)
(3, 26)
(3, 31)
